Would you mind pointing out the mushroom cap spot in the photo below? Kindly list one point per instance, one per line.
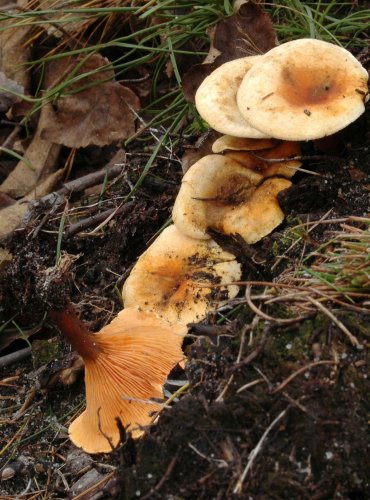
(304, 89)
(260, 216)
(137, 350)
(215, 99)
(226, 142)
(218, 192)
(174, 278)
(212, 186)
(283, 150)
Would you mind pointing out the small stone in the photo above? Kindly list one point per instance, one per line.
(7, 473)
(86, 481)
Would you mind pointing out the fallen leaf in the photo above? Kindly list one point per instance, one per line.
(14, 51)
(61, 23)
(7, 96)
(11, 217)
(39, 160)
(100, 114)
(248, 32)
(5, 200)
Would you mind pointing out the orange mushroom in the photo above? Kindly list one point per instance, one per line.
(126, 365)
(263, 162)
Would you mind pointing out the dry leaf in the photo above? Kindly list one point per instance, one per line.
(41, 157)
(11, 217)
(14, 51)
(248, 32)
(7, 97)
(101, 114)
(62, 23)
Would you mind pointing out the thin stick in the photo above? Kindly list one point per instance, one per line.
(253, 454)
(298, 372)
(97, 218)
(14, 357)
(266, 316)
(339, 324)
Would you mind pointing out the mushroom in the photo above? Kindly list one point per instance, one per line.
(220, 193)
(215, 99)
(126, 365)
(304, 89)
(227, 142)
(263, 162)
(174, 278)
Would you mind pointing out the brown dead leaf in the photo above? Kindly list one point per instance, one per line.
(7, 96)
(41, 155)
(14, 51)
(5, 200)
(11, 217)
(248, 32)
(101, 114)
(62, 23)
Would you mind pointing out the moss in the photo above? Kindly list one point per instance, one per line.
(294, 344)
(44, 351)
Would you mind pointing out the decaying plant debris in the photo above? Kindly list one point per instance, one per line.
(273, 400)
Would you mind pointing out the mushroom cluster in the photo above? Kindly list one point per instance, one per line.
(300, 90)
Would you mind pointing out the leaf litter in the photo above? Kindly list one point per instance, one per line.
(277, 399)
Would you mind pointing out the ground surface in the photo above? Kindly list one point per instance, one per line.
(276, 408)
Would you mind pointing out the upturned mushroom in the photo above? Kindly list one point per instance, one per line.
(217, 192)
(304, 89)
(175, 278)
(215, 99)
(229, 142)
(277, 160)
(126, 365)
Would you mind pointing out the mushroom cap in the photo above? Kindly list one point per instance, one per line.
(174, 278)
(304, 89)
(212, 186)
(226, 142)
(215, 99)
(137, 350)
(215, 188)
(258, 218)
(281, 152)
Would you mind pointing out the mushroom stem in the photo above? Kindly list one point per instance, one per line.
(76, 332)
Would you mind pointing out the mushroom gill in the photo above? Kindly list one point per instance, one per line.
(126, 365)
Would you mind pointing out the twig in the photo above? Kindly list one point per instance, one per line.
(279, 259)
(14, 357)
(161, 482)
(80, 184)
(298, 372)
(339, 324)
(22, 410)
(265, 316)
(94, 486)
(253, 454)
(98, 218)
(220, 397)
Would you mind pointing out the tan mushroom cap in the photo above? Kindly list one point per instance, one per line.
(262, 161)
(137, 350)
(174, 278)
(226, 142)
(304, 89)
(215, 188)
(215, 99)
